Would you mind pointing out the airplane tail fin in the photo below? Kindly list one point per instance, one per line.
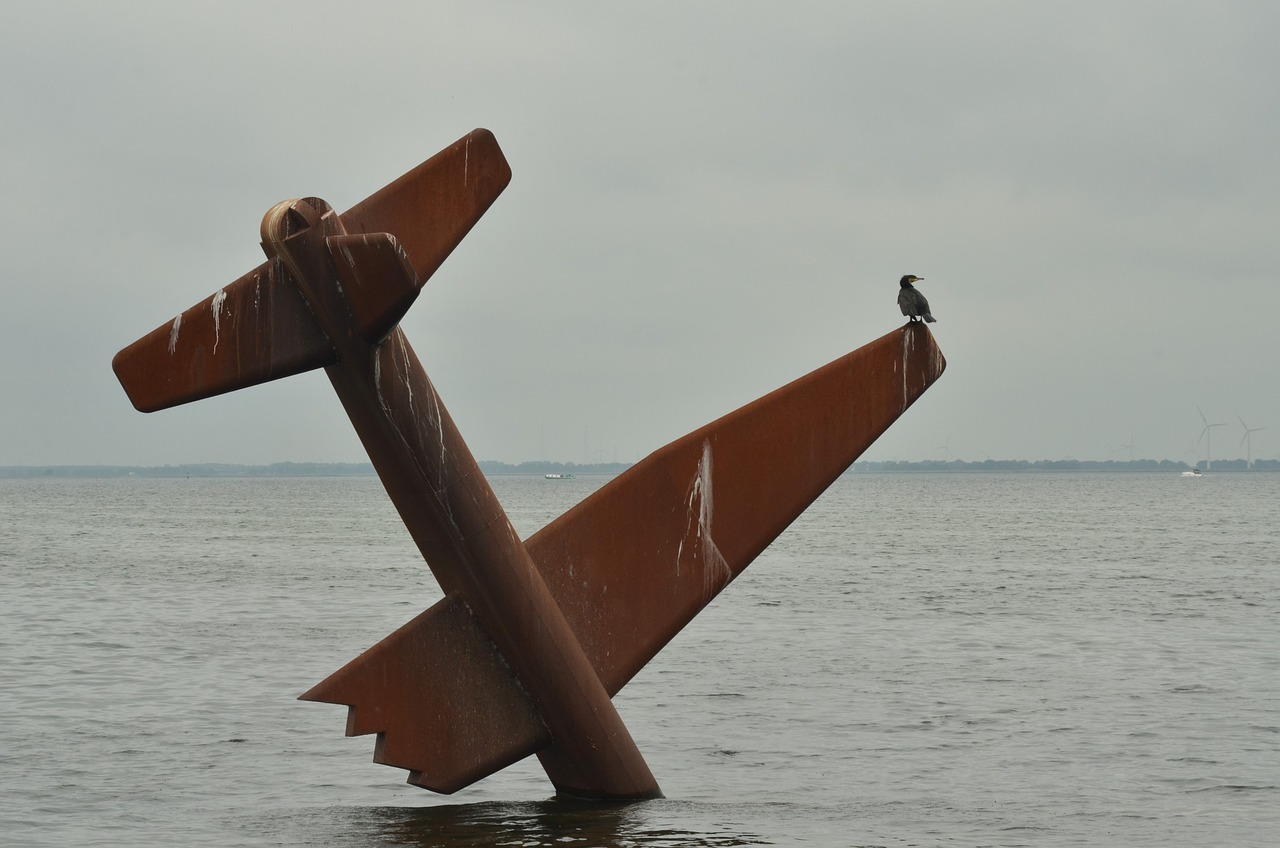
(259, 328)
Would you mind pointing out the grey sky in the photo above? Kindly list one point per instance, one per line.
(708, 201)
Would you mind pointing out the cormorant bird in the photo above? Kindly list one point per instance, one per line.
(911, 302)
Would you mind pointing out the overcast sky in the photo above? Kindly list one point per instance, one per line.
(708, 200)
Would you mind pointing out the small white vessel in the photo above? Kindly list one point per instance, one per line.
(1195, 472)
(558, 476)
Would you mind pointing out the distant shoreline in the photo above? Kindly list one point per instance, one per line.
(493, 468)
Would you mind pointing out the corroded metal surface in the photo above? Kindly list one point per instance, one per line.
(531, 639)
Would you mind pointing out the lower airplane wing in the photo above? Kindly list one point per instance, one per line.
(632, 564)
(439, 670)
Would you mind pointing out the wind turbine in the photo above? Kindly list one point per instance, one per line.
(945, 447)
(1247, 439)
(1131, 447)
(1207, 435)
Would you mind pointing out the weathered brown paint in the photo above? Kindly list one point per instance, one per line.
(531, 639)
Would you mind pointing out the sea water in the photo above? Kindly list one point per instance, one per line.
(921, 659)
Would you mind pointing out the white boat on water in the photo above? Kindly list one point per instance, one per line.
(1195, 472)
(558, 476)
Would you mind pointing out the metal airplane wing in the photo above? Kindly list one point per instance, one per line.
(628, 580)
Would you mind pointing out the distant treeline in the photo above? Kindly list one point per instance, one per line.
(493, 468)
(202, 469)
(286, 469)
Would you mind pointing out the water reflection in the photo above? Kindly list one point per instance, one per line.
(654, 824)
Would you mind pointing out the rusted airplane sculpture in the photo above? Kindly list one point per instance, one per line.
(532, 639)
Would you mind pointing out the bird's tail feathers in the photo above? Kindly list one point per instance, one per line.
(930, 319)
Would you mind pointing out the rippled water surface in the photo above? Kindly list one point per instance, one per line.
(922, 659)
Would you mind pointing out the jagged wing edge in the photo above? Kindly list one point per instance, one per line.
(441, 699)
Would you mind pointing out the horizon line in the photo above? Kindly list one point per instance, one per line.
(307, 468)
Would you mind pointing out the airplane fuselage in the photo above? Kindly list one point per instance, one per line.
(450, 510)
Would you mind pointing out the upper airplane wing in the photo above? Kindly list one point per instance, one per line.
(259, 328)
(628, 579)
